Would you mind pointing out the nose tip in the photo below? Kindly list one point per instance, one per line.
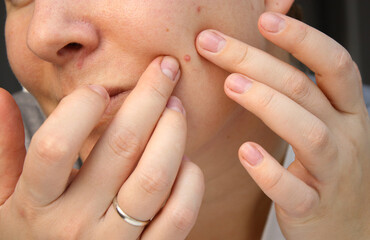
(58, 39)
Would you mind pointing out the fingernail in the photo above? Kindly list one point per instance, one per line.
(211, 41)
(174, 103)
(251, 155)
(238, 83)
(272, 22)
(100, 90)
(170, 68)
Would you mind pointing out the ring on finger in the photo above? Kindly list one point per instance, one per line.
(127, 218)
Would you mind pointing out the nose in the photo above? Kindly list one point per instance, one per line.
(57, 33)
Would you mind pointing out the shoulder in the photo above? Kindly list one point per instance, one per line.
(32, 114)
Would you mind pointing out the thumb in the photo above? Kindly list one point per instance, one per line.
(290, 193)
(12, 149)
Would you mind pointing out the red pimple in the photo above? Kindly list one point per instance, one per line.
(187, 58)
(199, 9)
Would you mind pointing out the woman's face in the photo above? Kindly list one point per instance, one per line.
(115, 40)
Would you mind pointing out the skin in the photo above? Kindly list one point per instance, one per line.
(118, 55)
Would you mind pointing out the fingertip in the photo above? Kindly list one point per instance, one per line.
(250, 154)
(210, 41)
(170, 67)
(238, 83)
(101, 91)
(270, 22)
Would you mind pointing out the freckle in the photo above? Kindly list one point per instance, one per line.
(199, 9)
(187, 58)
(80, 63)
(167, 30)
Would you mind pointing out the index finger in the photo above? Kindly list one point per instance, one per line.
(55, 146)
(236, 56)
(336, 73)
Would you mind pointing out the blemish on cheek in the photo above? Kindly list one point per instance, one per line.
(199, 9)
(167, 29)
(187, 58)
(80, 63)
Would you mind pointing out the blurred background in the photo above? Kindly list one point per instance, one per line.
(347, 21)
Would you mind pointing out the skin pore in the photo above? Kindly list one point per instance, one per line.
(116, 40)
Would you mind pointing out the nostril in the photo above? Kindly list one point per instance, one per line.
(69, 48)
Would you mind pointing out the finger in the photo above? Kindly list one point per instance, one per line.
(236, 56)
(147, 188)
(309, 136)
(336, 73)
(55, 146)
(179, 215)
(116, 154)
(12, 149)
(294, 196)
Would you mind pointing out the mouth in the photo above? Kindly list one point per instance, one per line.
(115, 92)
(117, 98)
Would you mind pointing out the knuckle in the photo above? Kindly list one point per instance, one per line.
(154, 180)
(271, 181)
(298, 85)
(242, 58)
(50, 148)
(317, 135)
(26, 212)
(157, 91)
(266, 99)
(183, 218)
(306, 206)
(301, 36)
(344, 62)
(71, 230)
(125, 143)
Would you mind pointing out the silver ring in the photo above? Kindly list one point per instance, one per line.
(127, 218)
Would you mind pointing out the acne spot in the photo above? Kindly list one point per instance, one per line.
(199, 9)
(79, 64)
(187, 58)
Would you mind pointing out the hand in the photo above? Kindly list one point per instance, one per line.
(50, 201)
(324, 194)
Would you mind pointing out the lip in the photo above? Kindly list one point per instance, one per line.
(117, 97)
(114, 92)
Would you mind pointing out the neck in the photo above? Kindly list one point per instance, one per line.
(233, 205)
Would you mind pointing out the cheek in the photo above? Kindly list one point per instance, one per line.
(167, 29)
(30, 70)
(207, 106)
(160, 26)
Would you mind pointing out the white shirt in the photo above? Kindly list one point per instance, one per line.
(272, 230)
